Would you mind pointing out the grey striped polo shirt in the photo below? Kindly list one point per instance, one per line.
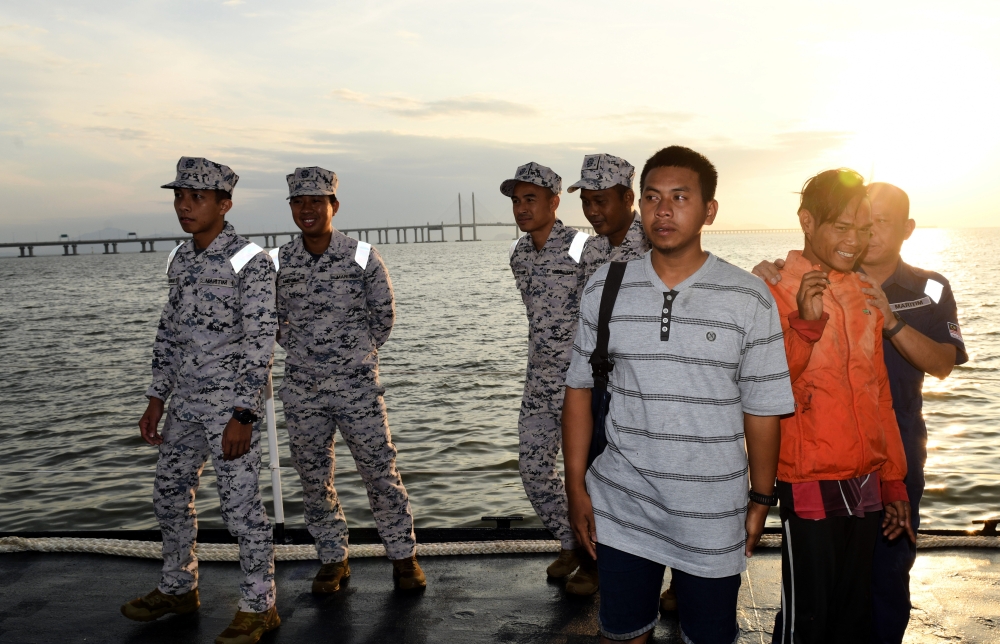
(689, 362)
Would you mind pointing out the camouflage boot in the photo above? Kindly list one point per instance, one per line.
(407, 574)
(564, 565)
(330, 575)
(584, 582)
(248, 628)
(157, 604)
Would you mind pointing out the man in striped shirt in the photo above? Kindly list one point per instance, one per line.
(699, 382)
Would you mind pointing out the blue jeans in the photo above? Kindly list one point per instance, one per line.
(630, 598)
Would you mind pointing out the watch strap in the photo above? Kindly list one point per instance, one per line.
(900, 323)
(762, 499)
(244, 417)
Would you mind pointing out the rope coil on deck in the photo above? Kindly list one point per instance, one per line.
(230, 552)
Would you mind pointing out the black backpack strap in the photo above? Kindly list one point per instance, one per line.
(600, 362)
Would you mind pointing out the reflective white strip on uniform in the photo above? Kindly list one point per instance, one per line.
(170, 257)
(274, 256)
(933, 289)
(361, 255)
(240, 259)
(510, 254)
(576, 248)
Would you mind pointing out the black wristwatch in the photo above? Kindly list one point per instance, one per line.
(245, 417)
(761, 499)
(900, 323)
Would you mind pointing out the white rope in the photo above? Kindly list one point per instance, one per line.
(230, 552)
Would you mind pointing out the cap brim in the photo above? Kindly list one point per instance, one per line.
(584, 184)
(311, 194)
(189, 185)
(507, 187)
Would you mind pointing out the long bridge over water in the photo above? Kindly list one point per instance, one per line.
(427, 233)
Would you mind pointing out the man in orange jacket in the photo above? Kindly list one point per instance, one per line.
(842, 458)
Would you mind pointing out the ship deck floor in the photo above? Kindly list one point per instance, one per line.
(469, 599)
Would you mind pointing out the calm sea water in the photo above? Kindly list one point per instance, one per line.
(77, 334)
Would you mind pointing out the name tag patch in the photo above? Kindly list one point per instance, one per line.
(563, 271)
(291, 279)
(217, 281)
(173, 281)
(912, 304)
(955, 332)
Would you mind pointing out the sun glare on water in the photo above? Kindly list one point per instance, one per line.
(926, 248)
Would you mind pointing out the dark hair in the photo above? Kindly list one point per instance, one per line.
(222, 195)
(678, 156)
(898, 198)
(333, 199)
(827, 194)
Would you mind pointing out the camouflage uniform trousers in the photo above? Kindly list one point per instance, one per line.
(188, 441)
(539, 429)
(313, 413)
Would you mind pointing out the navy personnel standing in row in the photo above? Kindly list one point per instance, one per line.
(211, 359)
(922, 337)
(607, 198)
(335, 309)
(548, 273)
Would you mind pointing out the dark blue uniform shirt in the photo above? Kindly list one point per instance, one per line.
(925, 301)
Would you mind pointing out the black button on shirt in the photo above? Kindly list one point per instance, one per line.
(931, 310)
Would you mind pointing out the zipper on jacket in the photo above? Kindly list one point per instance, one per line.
(850, 383)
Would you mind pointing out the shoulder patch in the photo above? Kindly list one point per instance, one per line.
(576, 247)
(170, 257)
(240, 259)
(362, 253)
(933, 290)
(274, 256)
(955, 331)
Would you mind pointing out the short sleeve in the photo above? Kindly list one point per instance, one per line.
(764, 382)
(945, 328)
(580, 375)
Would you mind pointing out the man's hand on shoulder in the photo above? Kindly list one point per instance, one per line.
(769, 271)
(150, 421)
(876, 297)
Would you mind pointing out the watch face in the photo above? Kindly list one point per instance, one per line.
(245, 417)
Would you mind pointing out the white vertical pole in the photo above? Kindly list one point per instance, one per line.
(272, 457)
(475, 237)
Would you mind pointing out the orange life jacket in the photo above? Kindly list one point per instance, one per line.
(843, 425)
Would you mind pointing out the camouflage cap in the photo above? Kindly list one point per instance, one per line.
(601, 171)
(311, 181)
(198, 173)
(533, 173)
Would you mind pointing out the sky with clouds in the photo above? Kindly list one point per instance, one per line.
(412, 103)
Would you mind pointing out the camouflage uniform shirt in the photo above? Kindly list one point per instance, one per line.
(599, 250)
(551, 282)
(334, 312)
(215, 340)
